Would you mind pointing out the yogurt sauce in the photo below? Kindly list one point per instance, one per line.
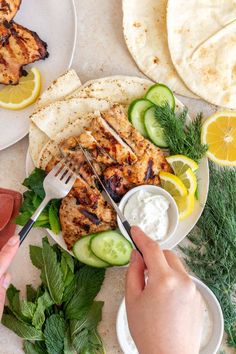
(206, 331)
(149, 211)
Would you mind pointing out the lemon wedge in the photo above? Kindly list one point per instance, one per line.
(173, 184)
(23, 94)
(181, 163)
(185, 205)
(219, 133)
(189, 179)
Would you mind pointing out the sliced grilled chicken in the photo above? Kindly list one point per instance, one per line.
(117, 119)
(18, 47)
(111, 142)
(116, 183)
(8, 9)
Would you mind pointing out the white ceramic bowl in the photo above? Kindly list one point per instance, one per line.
(172, 211)
(215, 313)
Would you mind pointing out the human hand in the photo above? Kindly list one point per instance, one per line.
(165, 316)
(7, 254)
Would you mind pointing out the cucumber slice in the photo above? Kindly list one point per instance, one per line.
(111, 247)
(136, 114)
(154, 129)
(84, 254)
(159, 94)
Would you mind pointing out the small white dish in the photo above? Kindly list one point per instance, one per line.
(173, 214)
(215, 313)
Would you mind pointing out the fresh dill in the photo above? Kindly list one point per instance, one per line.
(212, 255)
(182, 137)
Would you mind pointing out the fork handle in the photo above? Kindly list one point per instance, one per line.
(28, 226)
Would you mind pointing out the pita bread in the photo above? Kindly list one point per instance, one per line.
(59, 89)
(63, 86)
(202, 43)
(55, 117)
(116, 89)
(144, 24)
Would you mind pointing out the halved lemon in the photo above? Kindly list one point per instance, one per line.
(189, 179)
(181, 163)
(24, 93)
(219, 133)
(172, 184)
(185, 205)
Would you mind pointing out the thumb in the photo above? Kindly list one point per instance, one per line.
(4, 283)
(135, 276)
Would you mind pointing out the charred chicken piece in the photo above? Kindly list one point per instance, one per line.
(18, 47)
(111, 142)
(116, 183)
(8, 9)
(84, 211)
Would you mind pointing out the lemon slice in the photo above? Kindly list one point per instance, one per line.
(189, 179)
(219, 133)
(185, 205)
(181, 163)
(24, 93)
(172, 184)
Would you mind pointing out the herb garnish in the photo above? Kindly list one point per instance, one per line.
(212, 257)
(61, 316)
(181, 137)
(49, 218)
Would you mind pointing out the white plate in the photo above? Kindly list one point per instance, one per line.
(215, 313)
(56, 25)
(184, 227)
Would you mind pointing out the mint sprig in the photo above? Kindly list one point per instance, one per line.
(60, 316)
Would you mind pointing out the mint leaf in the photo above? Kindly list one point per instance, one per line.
(43, 303)
(88, 285)
(13, 296)
(68, 348)
(52, 273)
(22, 329)
(90, 320)
(54, 333)
(35, 182)
(80, 341)
(28, 309)
(88, 342)
(36, 256)
(91, 279)
(70, 289)
(31, 293)
(30, 348)
(69, 260)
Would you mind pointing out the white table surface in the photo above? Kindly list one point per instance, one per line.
(101, 51)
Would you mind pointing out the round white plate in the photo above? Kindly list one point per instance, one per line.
(215, 314)
(56, 25)
(184, 227)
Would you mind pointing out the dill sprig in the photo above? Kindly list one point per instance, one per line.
(212, 255)
(181, 137)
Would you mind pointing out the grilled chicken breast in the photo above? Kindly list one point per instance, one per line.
(19, 46)
(84, 211)
(8, 9)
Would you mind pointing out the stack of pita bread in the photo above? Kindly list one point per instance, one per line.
(188, 45)
(67, 107)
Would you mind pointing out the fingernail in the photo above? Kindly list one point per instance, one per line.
(133, 256)
(5, 280)
(13, 240)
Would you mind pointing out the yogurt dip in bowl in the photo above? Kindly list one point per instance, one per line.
(212, 332)
(152, 209)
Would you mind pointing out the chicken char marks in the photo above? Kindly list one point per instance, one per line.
(8, 9)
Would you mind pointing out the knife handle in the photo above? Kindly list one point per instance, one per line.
(128, 230)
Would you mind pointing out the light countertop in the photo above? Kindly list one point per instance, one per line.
(100, 51)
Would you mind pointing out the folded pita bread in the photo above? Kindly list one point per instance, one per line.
(202, 43)
(61, 87)
(117, 89)
(144, 24)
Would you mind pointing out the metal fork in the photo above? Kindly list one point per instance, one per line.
(57, 184)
